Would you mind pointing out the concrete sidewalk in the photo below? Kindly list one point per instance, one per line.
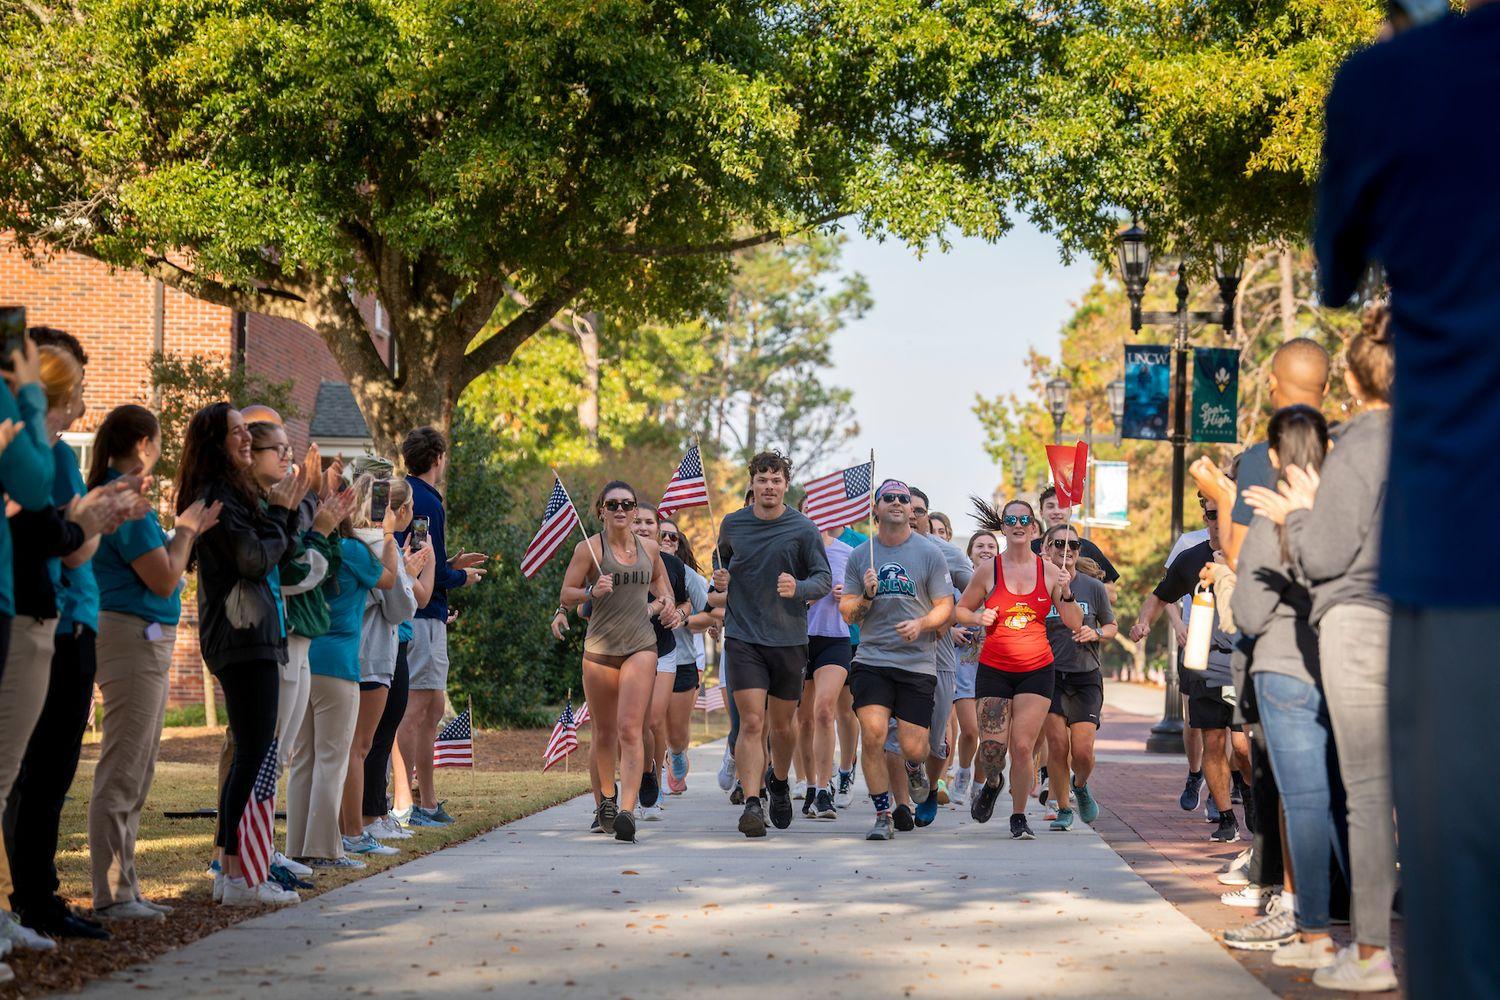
(542, 908)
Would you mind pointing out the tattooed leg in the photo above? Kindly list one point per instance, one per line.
(994, 719)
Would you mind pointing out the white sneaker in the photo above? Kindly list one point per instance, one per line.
(651, 814)
(1252, 896)
(161, 908)
(22, 938)
(1300, 954)
(958, 791)
(726, 771)
(1237, 872)
(130, 910)
(219, 879)
(237, 892)
(800, 792)
(366, 844)
(1358, 975)
(379, 831)
(297, 868)
(395, 827)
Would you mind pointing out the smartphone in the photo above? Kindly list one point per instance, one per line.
(419, 531)
(12, 332)
(380, 499)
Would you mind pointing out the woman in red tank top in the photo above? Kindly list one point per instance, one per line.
(1011, 597)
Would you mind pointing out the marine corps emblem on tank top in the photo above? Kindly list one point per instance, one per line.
(1018, 616)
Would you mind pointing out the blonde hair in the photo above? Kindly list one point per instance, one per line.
(61, 374)
(400, 495)
(1088, 567)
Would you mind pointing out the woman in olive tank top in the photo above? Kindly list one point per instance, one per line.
(625, 583)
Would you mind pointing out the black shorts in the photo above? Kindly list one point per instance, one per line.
(687, 677)
(827, 651)
(853, 655)
(776, 670)
(1079, 697)
(992, 683)
(1206, 709)
(909, 696)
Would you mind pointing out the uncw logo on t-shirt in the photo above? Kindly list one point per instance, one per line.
(895, 580)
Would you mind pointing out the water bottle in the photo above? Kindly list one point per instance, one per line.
(1200, 630)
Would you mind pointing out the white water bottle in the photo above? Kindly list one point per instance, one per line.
(1200, 630)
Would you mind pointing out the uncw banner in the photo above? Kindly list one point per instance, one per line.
(1216, 394)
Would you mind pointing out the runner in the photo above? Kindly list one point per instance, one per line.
(1078, 697)
(647, 525)
(690, 655)
(1053, 514)
(625, 580)
(983, 547)
(848, 723)
(1010, 596)
(774, 556)
(829, 654)
(902, 606)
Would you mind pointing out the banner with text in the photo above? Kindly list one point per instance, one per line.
(1216, 394)
(1148, 384)
(1111, 495)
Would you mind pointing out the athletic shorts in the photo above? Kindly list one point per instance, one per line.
(942, 708)
(687, 678)
(666, 663)
(908, 695)
(964, 680)
(776, 670)
(427, 655)
(1079, 697)
(1207, 709)
(825, 651)
(992, 683)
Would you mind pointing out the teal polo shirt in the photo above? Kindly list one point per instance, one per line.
(77, 591)
(120, 589)
(26, 472)
(336, 652)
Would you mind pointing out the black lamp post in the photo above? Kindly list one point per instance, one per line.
(1057, 401)
(1114, 394)
(1017, 468)
(1134, 252)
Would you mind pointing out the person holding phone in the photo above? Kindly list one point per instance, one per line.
(139, 571)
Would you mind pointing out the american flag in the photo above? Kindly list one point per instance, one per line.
(454, 746)
(564, 738)
(558, 520)
(582, 718)
(710, 699)
(257, 829)
(840, 499)
(687, 488)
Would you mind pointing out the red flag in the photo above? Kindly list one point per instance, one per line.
(1069, 469)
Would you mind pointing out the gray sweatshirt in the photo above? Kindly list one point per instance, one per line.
(385, 610)
(1336, 545)
(756, 552)
(1273, 607)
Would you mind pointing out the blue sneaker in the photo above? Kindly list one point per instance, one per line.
(1088, 809)
(421, 817)
(1064, 820)
(679, 765)
(440, 814)
(927, 811)
(366, 844)
(1192, 795)
(283, 877)
(1211, 814)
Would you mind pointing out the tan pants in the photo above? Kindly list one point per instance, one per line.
(291, 701)
(319, 763)
(133, 679)
(23, 690)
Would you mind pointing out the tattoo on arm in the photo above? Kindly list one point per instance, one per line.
(859, 614)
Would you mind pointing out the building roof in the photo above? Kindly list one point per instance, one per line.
(336, 414)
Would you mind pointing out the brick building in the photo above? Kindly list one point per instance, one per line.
(123, 317)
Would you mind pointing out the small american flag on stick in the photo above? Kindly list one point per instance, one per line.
(710, 699)
(687, 488)
(558, 520)
(841, 498)
(454, 746)
(564, 738)
(257, 829)
(582, 718)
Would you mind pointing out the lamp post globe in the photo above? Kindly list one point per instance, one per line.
(1058, 390)
(1133, 250)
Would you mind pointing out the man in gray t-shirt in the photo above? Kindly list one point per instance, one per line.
(898, 590)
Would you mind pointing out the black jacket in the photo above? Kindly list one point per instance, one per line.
(237, 624)
(39, 535)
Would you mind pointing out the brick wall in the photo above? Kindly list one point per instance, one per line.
(280, 350)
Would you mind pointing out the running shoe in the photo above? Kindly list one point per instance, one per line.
(1358, 975)
(1250, 896)
(753, 819)
(342, 861)
(1237, 872)
(237, 892)
(440, 814)
(737, 797)
(295, 867)
(386, 828)
(846, 789)
(608, 809)
(1299, 954)
(22, 938)
(983, 806)
(653, 813)
(903, 819)
(366, 844)
(927, 811)
(958, 791)
(1192, 794)
(1088, 809)
(1211, 812)
(1228, 830)
(1042, 788)
(726, 771)
(942, 793)
(801, 792)
(809, 807)
(781, 802)
(916, 782)
(594, 826)
(824, 809)
(1236, 789)
(677, 780)
(1266, 934)
(282, 877)
(650, 787)
(625, 826)
(884, 828)
(422, 818)
(1064, 820)
(1019, 828)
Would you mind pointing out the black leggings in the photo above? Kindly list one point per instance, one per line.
(379, 757)
(250, 693)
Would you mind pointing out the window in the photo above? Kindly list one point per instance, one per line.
(82, 443)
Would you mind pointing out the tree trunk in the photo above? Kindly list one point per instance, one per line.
(1288, 293)
(586, 330)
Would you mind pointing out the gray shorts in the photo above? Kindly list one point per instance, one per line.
(427, 656)
(942, 708)
(967, 672)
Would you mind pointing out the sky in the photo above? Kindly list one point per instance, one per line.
(944, 328)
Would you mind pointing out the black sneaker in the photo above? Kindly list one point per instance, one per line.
(903, 818)
(608, 810)
(780, 793)
(1228, 830)
(882, 830)
(809, 802)
(1042, 790)
(753, 819)
(737, 797)
(1192, 793)
(983, 805)
(1237, 789)
(650, 788)
(625, 826)
(824, 808)
(1019, 828)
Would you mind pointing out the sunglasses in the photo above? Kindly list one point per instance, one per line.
(1017, 520)
(615, 505)
(902, 498)
(1210, 515)
(670, 536)
(1066, 543)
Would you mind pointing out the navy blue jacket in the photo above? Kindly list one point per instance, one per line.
(428, 502)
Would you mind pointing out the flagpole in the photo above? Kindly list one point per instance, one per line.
(568, 758)
(473, 754)
(873, 486)
(708, 501)
(579, 519)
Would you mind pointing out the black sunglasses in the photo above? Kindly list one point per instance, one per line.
(1016, 520)
(614, 505)
(1070, 543)
(1210, 515)
(895, 498)
(670, 536)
